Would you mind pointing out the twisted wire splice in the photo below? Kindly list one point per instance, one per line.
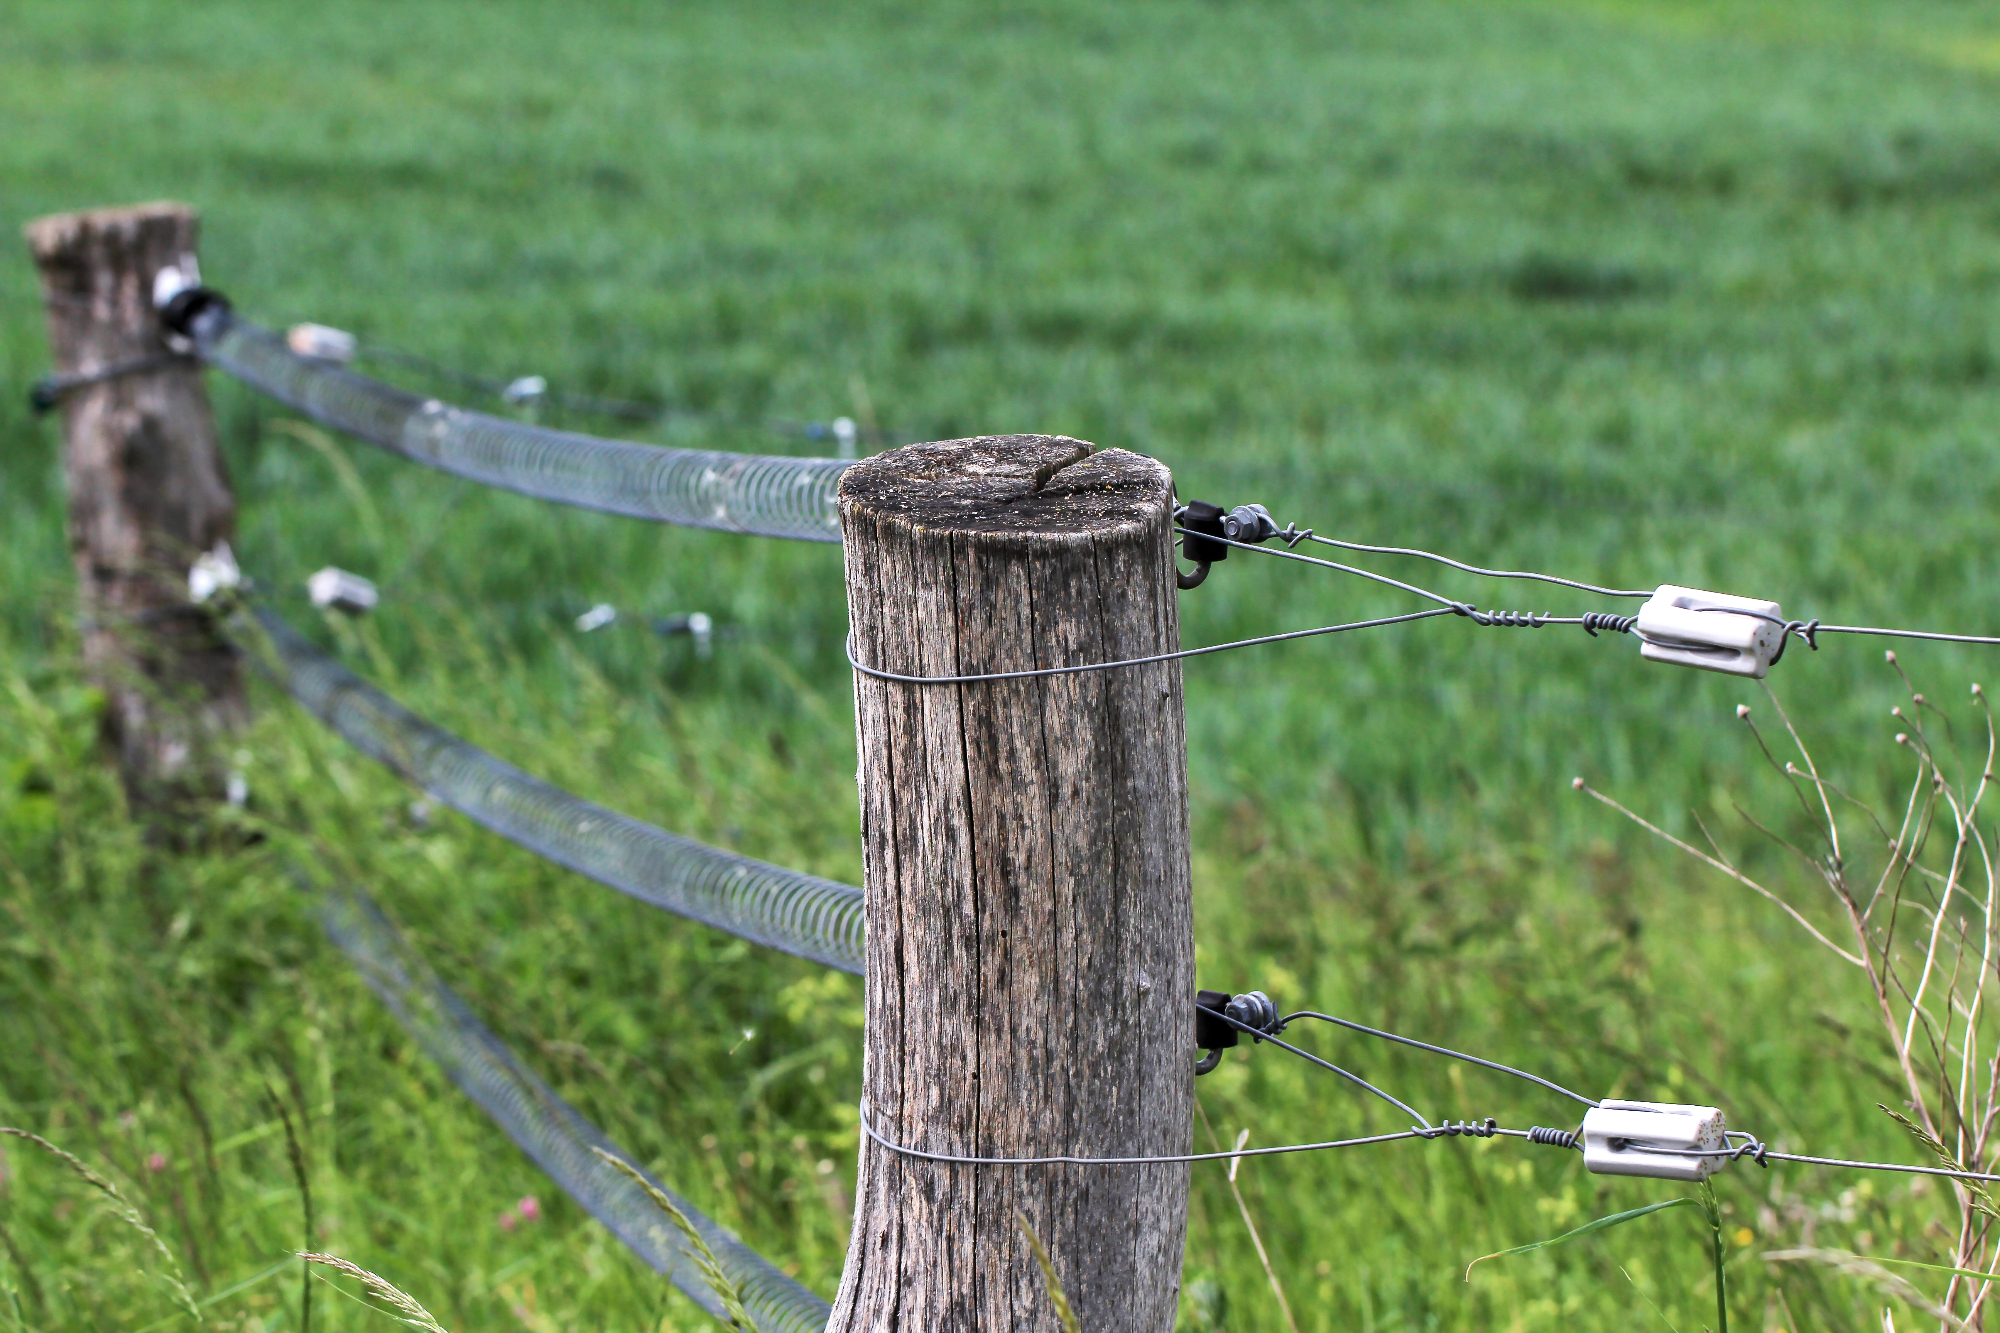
(1476, 1129)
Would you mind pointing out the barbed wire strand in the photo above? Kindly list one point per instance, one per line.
(553, 1133)
(801, 914)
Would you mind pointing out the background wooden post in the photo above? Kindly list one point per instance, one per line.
(1030, 938)
(147, 493)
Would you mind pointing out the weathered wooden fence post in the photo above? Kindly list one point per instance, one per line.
(1030, 939)
(147, 492)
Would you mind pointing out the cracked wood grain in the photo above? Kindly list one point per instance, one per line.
(1030, 942)
(147, 493)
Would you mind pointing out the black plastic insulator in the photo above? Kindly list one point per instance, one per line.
(1211, 1032)
(188, 304)
(44, 395)
(1201, 517)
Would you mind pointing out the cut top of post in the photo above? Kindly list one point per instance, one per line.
(98, 270)
(1048, 488)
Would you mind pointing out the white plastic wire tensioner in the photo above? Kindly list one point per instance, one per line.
(319, 342)
(214, 573)
(337, 590)
(1626, 1138)
(1709, 630)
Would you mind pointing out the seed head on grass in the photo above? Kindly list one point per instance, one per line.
(704, 1257)
(119, 1208)
(406, 1306)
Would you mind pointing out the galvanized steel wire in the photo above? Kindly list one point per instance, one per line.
(554, 1133)
(798, 913)
(766, 495)
(1591, 622)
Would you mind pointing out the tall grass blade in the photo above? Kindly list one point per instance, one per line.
(297, 1155)
(121, 1209)
(224, 1294)
(1057, 1297)
(704, 1258)
(1588, 1228)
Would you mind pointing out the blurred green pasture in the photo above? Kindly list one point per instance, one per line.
(1655, 292)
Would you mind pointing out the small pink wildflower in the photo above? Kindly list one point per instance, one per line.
(157, 1162)
(508, 1221)
(531, 1209)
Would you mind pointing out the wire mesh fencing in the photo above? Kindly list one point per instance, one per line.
(814, 918)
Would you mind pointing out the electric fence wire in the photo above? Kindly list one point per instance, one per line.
(1751, 1147)
(1591, 622)
(1066, 1159)
(1352, 1026)
(1292, 536)
(1330, 1067)
(47, 393)
(1423, 1130)
(880, 674)
(553, 1133)
(510, 391)
(760, 494)
(1759, 1152)
(801, 914)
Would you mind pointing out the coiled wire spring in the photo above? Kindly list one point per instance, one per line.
(768, 495)
(552, 1132)
(801, 914)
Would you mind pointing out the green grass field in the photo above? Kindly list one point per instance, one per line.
(1651, 292)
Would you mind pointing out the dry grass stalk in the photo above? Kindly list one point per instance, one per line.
(120, 1208)
(406, 1306)
(1242, 1207)
(1923, 934)
(1858, 1265)
(704, 1257)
